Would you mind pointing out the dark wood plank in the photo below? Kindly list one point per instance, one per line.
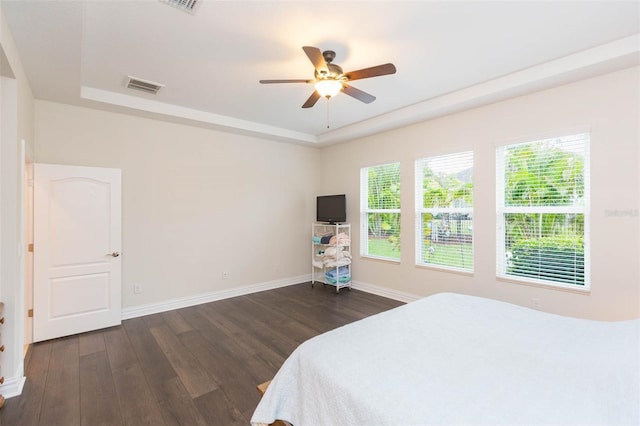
(61, 403)
(155, 320)
(226, 341)
(137, 404)
(175, 320)
(275, 351)
(264, 320)
(195, 378)
(235, 377)
(177, 406)
(263, 333)
(216, 409)
(91, 342)
(119, 350)
(97, 391)
(320, 316)
(156, 367)
(25, 409)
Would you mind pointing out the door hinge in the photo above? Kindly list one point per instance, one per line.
(30, 248)
(30, 313)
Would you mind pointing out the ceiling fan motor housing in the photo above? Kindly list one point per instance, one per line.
(334, 72)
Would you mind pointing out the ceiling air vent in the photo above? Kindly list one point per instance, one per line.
(143, 85)
(186, 5)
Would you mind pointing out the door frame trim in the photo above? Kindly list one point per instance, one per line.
(26, 158)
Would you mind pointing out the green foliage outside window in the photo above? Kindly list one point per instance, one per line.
(447, 211)
(533, 256)
(384, 227)
(547, 245)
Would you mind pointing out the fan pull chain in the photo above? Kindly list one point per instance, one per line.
(328, 113)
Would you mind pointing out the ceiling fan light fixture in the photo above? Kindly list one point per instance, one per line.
(328, 88)
(329, 79)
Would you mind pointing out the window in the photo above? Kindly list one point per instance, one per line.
(543, 211)
(444, 211)
(380, 211)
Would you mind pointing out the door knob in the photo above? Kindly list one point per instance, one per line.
(114, 254)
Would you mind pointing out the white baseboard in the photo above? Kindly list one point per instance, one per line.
(385, 292)
(183, 302)
(12, 386)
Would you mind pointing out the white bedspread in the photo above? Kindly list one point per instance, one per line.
(454, 359)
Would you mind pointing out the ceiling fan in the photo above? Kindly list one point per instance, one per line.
(329, 79)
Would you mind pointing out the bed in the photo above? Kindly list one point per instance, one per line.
(456, 359)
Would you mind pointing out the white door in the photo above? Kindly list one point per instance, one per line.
(77, 239)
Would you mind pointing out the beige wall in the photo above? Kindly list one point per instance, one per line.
(607, 106)
(196, 202)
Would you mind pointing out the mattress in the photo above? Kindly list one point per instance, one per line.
(456, 359)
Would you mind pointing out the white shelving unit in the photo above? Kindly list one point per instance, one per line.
(331, 258)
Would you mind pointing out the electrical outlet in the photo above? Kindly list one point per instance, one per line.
(225, 275)
(535, 303)
(137, 289)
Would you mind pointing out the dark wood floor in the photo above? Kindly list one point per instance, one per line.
(192, 366)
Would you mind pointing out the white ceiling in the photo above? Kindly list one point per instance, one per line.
(450, 55)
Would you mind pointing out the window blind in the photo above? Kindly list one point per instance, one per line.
(543, 211)
(380, 211)
(444, 211)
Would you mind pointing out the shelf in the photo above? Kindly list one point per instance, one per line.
(328, 257)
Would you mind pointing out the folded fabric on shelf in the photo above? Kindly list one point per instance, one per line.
(326, 238)
(342, 279)
(332, 263)
(340, 271)
(336, 252)
(340, 239)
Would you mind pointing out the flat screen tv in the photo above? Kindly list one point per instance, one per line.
(331, 208)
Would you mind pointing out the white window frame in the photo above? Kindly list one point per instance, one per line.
(420, 210)
(365, 211)
(583, 209)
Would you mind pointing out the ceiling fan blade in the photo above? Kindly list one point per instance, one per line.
(312, 99)
(316, 58)
(358, 94)
(371, 72)
(285, 81)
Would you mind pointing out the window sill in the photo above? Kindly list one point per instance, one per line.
(381, 259)
(445, 269)
(568, 288)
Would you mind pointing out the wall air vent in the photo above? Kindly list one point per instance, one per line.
(143, 85)
(186, 5)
